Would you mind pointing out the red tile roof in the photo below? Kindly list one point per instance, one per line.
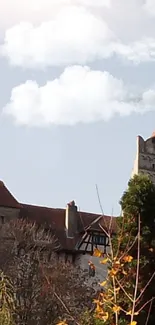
(97, 222)
(42, 215)
(55, 219)
(6, 198)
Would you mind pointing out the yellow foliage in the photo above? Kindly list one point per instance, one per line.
(113, 272)
(97, 253)
(104, 261)
(127, 258)
(116, 309)
(62, 323)
(105, 316)
(133, 323)
(102, 284)
(95, 301)
(117, 289)
(99, 309)
(117, 263)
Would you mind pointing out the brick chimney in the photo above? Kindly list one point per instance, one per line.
(71, 220)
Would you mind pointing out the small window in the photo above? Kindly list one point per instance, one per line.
(153, 166)
(99, 240)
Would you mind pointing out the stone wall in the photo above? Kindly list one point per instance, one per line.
(145, 158)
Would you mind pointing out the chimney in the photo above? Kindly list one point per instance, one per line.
(71, 220)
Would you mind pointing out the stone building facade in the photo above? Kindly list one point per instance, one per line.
(145, 157)
(77, 232)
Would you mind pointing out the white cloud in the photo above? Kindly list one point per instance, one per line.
(37, 11)
(149, 6)
(66, 32)
(78, 95)
(74, 36)
(92, 3)
(137, 52)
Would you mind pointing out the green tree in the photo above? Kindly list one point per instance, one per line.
(138, 206)
(129, 288)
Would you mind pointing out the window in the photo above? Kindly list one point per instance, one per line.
(153, 166)
(99, 240)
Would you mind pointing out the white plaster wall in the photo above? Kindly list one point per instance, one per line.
(100, 269)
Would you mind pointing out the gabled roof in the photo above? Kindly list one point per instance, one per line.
(55, 219)
(7, 199)
(97, 222)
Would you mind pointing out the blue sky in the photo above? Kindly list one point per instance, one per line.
(77, 87)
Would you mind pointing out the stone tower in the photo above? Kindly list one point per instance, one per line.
(145, 157)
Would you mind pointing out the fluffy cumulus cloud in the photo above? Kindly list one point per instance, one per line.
(73, 36)
(36, 11)
(78, 95)
(65, 32)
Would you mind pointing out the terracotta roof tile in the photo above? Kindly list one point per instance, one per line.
(55, 218)
(6, 198)
(107, 222)
(42, 215)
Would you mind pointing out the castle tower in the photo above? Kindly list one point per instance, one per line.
(145, 157)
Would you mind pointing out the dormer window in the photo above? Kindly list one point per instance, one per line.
(99, 239)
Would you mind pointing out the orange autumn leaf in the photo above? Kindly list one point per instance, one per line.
(116, 309)
(133, 322)
(117, 262)
(98, 309)
(97, 253)
(127, 258)
(104, 261)
(62, 323)
(113, 272)
(104, 316)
